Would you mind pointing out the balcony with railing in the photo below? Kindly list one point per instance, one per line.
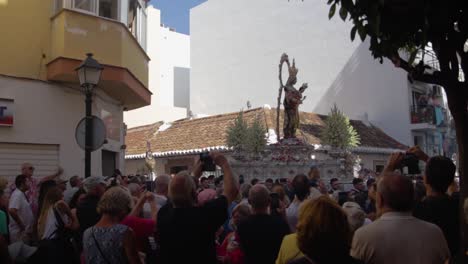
(428, 117)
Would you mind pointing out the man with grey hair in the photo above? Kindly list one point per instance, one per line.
(397, 236)
(356, 216)
(181, 225)
(261, 234)
(161, 186)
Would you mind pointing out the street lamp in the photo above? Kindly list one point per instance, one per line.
(89, 73)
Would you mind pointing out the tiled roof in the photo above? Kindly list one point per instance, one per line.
(210, 132)
(136, 138)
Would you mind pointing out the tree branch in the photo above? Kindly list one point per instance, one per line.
(417, 73)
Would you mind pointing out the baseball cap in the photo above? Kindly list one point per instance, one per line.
(61, 180)
(93, 181)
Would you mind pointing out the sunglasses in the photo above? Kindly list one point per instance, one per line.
(31, 168)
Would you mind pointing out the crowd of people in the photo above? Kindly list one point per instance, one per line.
(187, 218)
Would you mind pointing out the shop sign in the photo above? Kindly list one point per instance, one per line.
(6, 112)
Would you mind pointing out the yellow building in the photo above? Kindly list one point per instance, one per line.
(42, 42)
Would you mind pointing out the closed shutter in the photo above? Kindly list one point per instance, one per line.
(44, 158)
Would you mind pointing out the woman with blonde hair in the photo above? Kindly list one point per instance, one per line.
(323, 233)
(52, 208)
(109, 241)
(54, 228)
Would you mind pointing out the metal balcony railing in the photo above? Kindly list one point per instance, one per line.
(436, 116)
(423, 115)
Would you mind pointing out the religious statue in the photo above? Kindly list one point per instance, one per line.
(150, 162)
(292, 99)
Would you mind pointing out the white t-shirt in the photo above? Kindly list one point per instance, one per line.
(51, 224)
(68, 194)
(292, 214)
(160, 202)
(18, 201)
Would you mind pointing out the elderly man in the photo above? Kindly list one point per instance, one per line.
(261, 234)
(398, 237)
(438, 207)
(34, 183)
(161, 188)
(186, 232)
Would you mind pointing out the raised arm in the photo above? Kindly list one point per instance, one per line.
(63, 207)
(393, 162)
(53, 176)
(136, 210)
(230, 181)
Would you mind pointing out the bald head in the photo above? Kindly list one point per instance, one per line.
(259, 197)
(182, 190)
(396, 192)
(27, 169)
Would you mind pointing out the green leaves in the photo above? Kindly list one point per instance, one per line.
(343, 13)
(243, 137)
(332, 11)
(338, 132)
(256, 140)
(362, 32)
(237, 133)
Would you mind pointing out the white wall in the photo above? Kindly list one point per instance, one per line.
(364, 86)
(167, 50)
(235, 53)
(48, 113)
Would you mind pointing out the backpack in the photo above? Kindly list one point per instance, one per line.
(59, 249)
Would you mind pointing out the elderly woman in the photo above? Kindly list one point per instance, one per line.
(229, 251)
(109, 241)
(323, 233)
(356, 216)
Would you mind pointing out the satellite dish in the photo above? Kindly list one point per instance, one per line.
(99, 133)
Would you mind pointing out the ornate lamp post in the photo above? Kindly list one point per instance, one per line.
(89, 73)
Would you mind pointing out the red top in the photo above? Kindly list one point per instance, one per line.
(230, 249)
(142, 227)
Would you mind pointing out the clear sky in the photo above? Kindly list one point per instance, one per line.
(176, 13)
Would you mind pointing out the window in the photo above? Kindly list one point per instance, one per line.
(103, 8)
(418, 100)
(58, 5)
(109, 8)
(379, 166)
(85, 5)
(137, 21)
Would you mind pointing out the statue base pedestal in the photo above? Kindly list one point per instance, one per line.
(287, 159)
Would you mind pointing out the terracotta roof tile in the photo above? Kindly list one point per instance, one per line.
(210, 131)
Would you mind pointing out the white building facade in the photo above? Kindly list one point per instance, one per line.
(41, 101)
(235, 53)
(169, 74)
(45, 117)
